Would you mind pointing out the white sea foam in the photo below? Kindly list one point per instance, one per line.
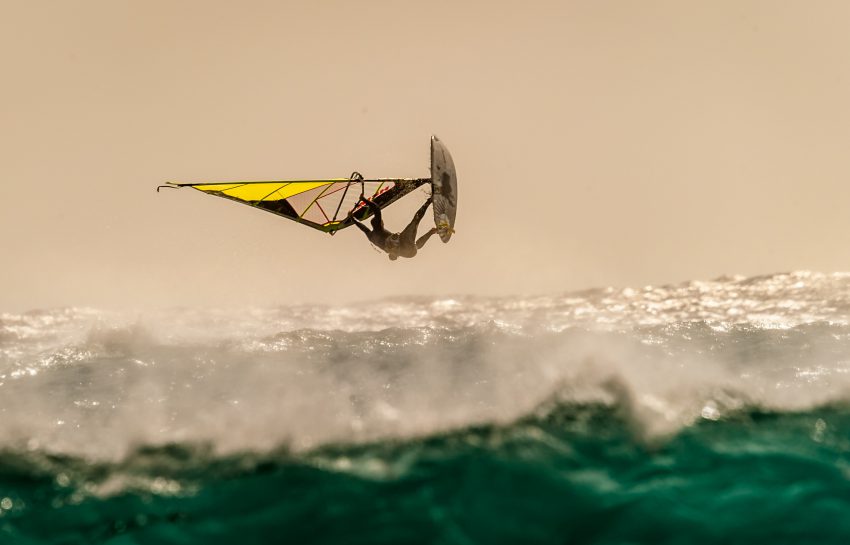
(98, 384)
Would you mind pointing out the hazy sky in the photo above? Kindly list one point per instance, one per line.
(597, 143)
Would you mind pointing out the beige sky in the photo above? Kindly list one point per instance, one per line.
(597, 143)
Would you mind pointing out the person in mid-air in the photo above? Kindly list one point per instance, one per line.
(402, 244)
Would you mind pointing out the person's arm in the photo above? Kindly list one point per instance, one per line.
(377, 220)
(359, 225)
(362, 227)
(372, 206)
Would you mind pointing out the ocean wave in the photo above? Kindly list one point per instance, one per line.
(96, 384)
(556, 432)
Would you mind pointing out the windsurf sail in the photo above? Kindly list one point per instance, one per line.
(320, 204)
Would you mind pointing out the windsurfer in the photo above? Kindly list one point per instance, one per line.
(402, 244)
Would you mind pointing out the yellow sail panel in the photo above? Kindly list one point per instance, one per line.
(211, 188)
(262, 191)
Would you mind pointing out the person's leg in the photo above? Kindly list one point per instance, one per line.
(417, 217)
(408, 236)
(424, 238)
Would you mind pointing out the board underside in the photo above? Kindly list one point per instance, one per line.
(444, 189)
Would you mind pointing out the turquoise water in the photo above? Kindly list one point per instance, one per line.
(710, 412)
(575, 475)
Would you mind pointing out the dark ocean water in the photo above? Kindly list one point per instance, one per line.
(709, 412)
